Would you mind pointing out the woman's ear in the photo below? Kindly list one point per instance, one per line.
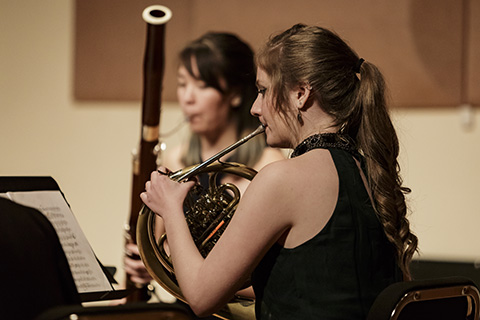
(303, 93)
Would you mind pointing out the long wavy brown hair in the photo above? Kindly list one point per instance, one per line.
(353, 92)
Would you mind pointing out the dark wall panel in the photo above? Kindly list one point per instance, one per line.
(417, 44)
(109, 47)
(473, 56)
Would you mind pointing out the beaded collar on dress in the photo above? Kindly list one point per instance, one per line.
(325, 140)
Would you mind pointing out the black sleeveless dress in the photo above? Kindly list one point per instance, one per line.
(339, 272)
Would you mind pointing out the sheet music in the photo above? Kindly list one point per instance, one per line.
(86, 270)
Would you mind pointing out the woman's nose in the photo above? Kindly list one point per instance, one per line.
(188, 94)
(255, 110)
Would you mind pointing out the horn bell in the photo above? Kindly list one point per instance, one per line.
(207, 212)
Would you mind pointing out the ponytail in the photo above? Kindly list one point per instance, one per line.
(378, 142)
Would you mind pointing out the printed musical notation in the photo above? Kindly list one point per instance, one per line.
(86, 271)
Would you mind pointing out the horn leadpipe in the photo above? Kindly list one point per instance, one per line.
(194, 170)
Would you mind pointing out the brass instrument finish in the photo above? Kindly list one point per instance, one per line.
(207, 213)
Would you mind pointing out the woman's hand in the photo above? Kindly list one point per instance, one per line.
(163, 195)
(134, 266)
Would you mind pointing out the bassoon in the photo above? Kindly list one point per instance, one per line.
(146, 155)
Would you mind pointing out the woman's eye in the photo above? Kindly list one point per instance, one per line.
(261, 91)
(201, 84)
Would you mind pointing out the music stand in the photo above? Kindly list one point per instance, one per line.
(12, 184)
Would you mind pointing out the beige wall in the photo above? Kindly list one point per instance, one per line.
(86, 146)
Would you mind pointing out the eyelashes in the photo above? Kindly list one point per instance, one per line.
(261, 91)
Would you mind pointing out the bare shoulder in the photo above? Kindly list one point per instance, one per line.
(268, 198)
(274, 172)
(269, 155)
(271, 195)
(315, 168)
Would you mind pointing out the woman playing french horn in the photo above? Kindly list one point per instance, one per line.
(321, 233)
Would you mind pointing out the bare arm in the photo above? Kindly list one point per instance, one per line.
(259, 221)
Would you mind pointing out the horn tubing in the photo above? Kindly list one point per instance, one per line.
(155, 258)
(194, 170)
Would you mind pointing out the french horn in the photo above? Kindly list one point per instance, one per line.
(207, 213)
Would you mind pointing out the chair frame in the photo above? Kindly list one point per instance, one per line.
(417, 295)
